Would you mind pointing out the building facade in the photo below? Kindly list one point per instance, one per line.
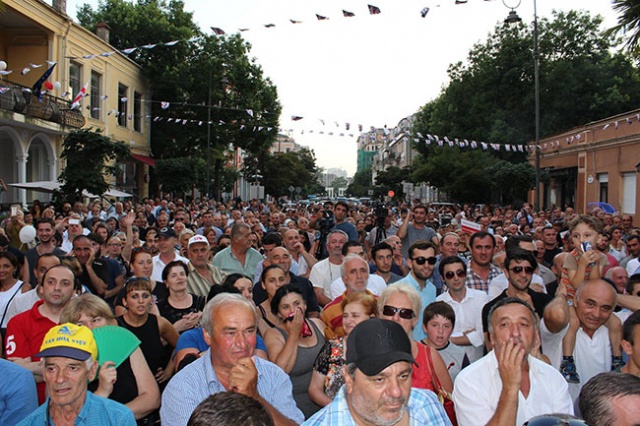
(597, 162)
(35, 34)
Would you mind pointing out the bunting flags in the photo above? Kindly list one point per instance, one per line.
(373, 10)
(321, 18)
(81, 94)
(347, 14)
(217, 31)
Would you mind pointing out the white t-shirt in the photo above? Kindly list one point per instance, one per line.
(158, 266)
(323, 274)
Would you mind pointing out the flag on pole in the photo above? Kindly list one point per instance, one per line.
(81, 94)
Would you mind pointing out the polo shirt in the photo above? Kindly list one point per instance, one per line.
(96, 411)
(197, 285)
(25, 333)
(229, 264)
(427, 295)
(18, 395)
(158, 266)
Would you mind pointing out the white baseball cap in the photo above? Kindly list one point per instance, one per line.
(198, 239)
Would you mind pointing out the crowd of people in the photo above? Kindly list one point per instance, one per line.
(320, 314)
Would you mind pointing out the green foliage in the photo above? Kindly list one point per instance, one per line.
(179, 174)
(511, 180)
(391, 180)
(339, 182)
(211, 79)
(628, 23)
(361, 184)
(90, 157)
(491, 98)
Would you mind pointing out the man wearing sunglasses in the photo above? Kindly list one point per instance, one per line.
(467, 304)
(422, 261)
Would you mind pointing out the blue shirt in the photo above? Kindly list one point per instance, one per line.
(348, 228)
(427, 295)
(423, 408)
(96, 411)
(18, 396)
(194, 383)
(194, 338)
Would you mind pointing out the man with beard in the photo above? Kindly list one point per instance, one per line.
(44, 231)
(95, 271)
(480, 271)
(377, 390)
(509, 386)
(26, 331)
(422, 260)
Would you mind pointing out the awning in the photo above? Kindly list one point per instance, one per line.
(50, 186)
(144, 159)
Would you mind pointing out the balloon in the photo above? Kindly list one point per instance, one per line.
(3, 65)
(27, 234)
(48, 85)
(57, 85)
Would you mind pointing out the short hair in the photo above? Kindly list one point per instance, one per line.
(45, 220)
(343, 204)
(596, 396)
(365, 299)
(282, 292)
(96, 238)
(272, 238)
(513, 242)
(419, 206)
(88, 304)
(509, 301)
(174, 263)
(521, 255)
(632, 237)
(348, 258)
(631, 282)
(348, 244)
(236, 230)
(449, 260)
(438, 308)
(231, 409)
(480, 235)
(337, 231)
(590, 221)
(80, 237)
(629, 325)
(403, 288)
(216, 302)
(380, 246)
(421, 245)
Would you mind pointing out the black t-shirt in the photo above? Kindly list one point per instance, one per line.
(540, 301)
(549, 255)
(101, 268)
(173, 314)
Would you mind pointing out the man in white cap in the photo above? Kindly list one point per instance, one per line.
(202, 274)
(69, 354)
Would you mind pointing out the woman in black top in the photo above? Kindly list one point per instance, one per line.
(181, 308)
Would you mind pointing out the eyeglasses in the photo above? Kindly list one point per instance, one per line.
(554, 421)
(422, 260)
(389, 311)
(527, 269)
(460, 273)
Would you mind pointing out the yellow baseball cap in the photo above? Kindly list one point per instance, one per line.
(69, 341)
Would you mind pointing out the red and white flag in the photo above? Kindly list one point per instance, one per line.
(470, 227)
(81, 94)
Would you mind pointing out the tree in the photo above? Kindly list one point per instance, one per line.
(491, 96)
(360, 184)
(281, 171)
(339, 182)
(628, 22)
(391, 180)
(180, 174)
(210, 81)
(90, 158)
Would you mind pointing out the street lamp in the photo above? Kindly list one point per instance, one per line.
(513, 18)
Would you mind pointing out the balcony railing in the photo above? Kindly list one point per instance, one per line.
(18, 98)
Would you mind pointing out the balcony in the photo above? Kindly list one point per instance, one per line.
(17, 98)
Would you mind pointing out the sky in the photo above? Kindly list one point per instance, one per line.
(371, 70)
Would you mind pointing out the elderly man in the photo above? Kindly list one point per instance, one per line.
(375, 284)
(69, 362)
(239, 257)
(509, 386)
(295, 247)
(26, 331)
(166, 252)
(202, 274)
(422, 260)
(377, 390)
(327, 270)
(355, 274)
(229, 325)
(280, 256)
(449, 246)
(611, 399)
(618, 276)
(74, 228)
(594, 302)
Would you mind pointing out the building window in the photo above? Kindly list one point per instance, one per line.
(122, 104)
(74, 80)
(95, 94)
(629, 193)
(603, 180)
(137, 111)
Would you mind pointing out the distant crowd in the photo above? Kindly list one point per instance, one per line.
(319, 313)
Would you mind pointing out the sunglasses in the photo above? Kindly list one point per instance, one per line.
(460, 273)
(389, 311)
(554, 421)
(422, 260)
(527, 269)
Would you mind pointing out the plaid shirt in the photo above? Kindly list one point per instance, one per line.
(474, 280)
(423, 407)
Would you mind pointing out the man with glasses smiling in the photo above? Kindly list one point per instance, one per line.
(422, 260)
(467, 304)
